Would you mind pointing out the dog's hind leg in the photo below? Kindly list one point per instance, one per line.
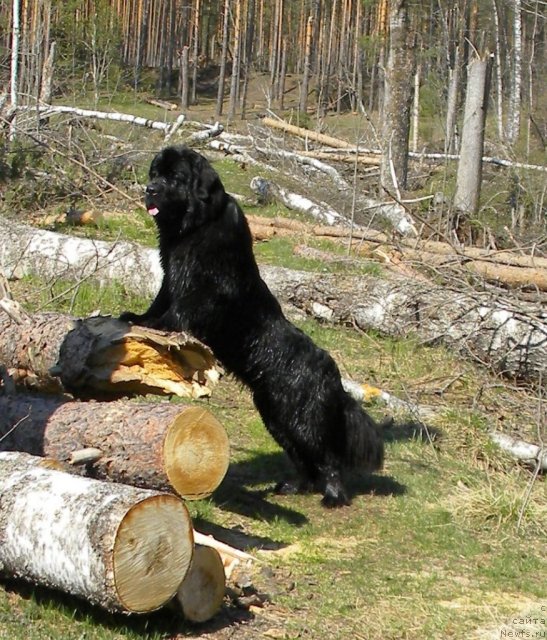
(334, 492)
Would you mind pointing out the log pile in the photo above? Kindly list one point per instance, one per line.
(98, 516)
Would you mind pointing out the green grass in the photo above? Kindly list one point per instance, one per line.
(430, 548)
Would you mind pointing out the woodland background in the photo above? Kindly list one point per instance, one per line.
(450, 540)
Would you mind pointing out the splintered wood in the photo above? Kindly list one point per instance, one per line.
(54, 352)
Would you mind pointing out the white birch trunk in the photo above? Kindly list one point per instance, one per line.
(122, 548)
(486, 327)
(499, 75)
(513, 117)
(325, 214)
(14, 76)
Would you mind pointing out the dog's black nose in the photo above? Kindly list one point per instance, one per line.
(151, 190)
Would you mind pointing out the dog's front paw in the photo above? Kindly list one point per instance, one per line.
(292, 487)
(334, 494)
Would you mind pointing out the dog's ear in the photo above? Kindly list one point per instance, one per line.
(207, 184)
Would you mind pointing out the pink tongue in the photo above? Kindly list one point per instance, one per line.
(153, 211)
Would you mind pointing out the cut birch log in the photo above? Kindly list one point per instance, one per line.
(201, 593)
(158, 446)
(485, 326)
(122, 548)
(54, 352)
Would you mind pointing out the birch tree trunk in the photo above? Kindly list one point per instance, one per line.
(469, 177)
(499, 75)
(157, 446)
(513, 116)
(14, 72)
(122, 548)
(397, 99)
(488, 329)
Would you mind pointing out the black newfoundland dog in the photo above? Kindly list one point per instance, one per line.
(212, 289)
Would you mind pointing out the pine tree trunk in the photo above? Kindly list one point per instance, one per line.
(184, 78)
(197, 18)
(234, 84)
(157, 446)
(397, 99)
(122, 548)
(307, 67)
(223, 59)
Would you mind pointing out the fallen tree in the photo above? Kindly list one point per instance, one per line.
(501, 267)
(336, 144)
(169, 128)
(509, 339)
(56, 352)
(158, 446)
(122, 548)
(267, 190)
(477, 324)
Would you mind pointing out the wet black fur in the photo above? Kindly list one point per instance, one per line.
(212, 289)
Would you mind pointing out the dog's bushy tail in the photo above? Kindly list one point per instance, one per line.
(364, 442)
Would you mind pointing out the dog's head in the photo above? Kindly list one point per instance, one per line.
(184, 190)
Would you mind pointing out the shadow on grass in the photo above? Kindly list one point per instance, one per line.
(166, 622)
(236, 493)
(396, 431)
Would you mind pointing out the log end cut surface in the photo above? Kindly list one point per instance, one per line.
(196, 453)
(152, 552)
(202, 592)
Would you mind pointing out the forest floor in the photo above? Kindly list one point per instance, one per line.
(447, 542)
